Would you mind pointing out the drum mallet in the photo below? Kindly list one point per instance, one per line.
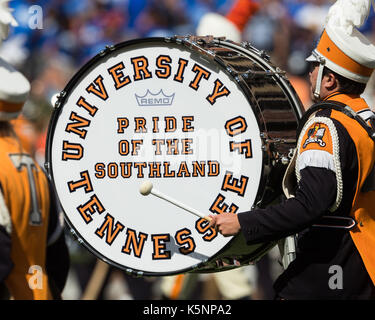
(146, 188)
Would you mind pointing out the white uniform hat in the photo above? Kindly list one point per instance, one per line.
(217, 25)
(342, 48)
(232, 24)
(14, 87)
(14, 90)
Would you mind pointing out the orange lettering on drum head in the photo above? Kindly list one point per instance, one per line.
(90, 207)
(235, 185)
(163, 63)
(170, 124)
(243, 147)
(200, 73)
(85, 182)
(140, 125)
(75, 127)
(155, 171)
(118, 76)
(236, 126)
(183, 170)
(219, 206)
(219, 91)
(99, 170)
(72, 151)
(159, 242)
(202, 227)
(131, 241)
(136, 146)
(122, 124)
(108, 229)
(172, 145)
(167, 173)
(98, 88)
(123, 147)
(84, 104)
(140, 166)
(179, 76)
(186, 242)
(126, 169)
(140, 65)
(157, 143)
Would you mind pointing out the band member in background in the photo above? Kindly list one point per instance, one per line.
(331, 207)
(232, 24)
(34, 258)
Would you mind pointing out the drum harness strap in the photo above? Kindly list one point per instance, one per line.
(287, 246)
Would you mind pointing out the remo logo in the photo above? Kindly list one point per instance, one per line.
(153, 111)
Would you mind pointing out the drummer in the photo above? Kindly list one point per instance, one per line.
(334, 157)
(34, 257)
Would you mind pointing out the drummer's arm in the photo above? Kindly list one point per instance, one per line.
(316, 193)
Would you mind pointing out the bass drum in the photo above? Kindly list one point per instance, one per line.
(210, 123)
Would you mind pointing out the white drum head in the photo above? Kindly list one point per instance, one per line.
(153, 111)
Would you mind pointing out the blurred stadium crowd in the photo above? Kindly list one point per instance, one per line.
(50, 51)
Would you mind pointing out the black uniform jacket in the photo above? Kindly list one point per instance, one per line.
(327, 264)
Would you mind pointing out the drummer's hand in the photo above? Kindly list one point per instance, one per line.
(226, 223)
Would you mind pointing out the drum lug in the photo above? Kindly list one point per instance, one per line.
(284, 160)
(75, 235)
(246, 45)
(59, 99)
(107, 50)
(264, 55)
(261, 74)
(47, 166)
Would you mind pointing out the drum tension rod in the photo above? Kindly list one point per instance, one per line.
(194, 42)
(260, 74)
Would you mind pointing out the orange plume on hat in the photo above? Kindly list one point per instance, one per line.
(241, 12)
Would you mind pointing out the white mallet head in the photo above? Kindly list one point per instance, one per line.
(145, 188)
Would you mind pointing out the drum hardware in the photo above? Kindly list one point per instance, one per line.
(288, 251)
(47, 166)
(107, 50)
(262, 53)
(59, 99)
(195, 43)
(336, 222)
(291, 153)
(268, 140)
(134, 273)
(75, 235)
(284, 160)
(277, 158)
